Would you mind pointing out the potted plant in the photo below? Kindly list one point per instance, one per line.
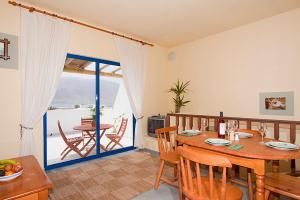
(179, 89)
(93, 113)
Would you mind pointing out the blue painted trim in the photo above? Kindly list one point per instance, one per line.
(45, 139)
(97, 109)
(116, 151)
(79, 160)
(70, 162)
(98, 154)
(134, 124)
(97, 60)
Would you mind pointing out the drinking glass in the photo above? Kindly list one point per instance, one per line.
(228, 126)
(262, 129)
(235, 125)
(204, 124)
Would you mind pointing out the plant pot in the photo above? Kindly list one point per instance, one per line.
(177, 109)
(93, 123)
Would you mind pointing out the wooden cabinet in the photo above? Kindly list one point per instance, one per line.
(33, 184)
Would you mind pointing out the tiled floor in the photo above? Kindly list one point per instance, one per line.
(119, 177)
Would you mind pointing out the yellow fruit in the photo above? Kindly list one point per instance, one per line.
(7, 161)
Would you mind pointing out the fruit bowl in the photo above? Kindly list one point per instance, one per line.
(10, 169)
(11, 177)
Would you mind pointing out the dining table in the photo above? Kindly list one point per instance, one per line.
(90, 130)
(253, 155)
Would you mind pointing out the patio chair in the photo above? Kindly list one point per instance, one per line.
(116, 138)
(72, 144)
(86, 121)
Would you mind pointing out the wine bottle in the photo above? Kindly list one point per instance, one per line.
(221, 126)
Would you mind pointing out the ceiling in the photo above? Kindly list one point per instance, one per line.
(168, 22)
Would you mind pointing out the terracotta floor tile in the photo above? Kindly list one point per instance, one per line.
(113, 178)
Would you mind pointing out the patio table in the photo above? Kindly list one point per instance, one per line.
(91, 132)
(253, 155)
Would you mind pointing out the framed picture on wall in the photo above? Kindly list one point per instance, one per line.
(276, 103)
(8, 51)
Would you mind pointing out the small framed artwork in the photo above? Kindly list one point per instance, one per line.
(8, 51)
(276, 103)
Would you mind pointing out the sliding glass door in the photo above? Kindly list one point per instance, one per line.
(90, 114)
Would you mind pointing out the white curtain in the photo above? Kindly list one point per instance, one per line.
(132, 57)
(43, 48)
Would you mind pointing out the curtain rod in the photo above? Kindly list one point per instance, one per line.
(33, 9)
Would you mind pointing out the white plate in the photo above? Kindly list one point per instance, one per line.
(10, 177)
(191, 131)
(217, 141)
(244, 135)
(282, 145)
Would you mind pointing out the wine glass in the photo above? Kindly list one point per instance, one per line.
(235, 125)
(262, 129)
(204, 124)
(229, 126)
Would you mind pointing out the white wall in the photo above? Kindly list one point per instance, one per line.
(85, 42)
(228, 70)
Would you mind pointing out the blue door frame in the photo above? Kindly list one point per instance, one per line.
(97, 102)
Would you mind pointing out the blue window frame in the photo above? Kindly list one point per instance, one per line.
(97, 102)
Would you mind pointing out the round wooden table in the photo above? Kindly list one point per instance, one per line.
(91, 132)
(253, 154)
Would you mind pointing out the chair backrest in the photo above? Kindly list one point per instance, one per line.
(193, 190)
(62, 133)
(86, 121)
(122, 128)
(166, 139)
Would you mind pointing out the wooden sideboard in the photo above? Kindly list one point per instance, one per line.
(33, 184)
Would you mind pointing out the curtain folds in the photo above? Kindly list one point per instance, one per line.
(132, 57)
(43, 49)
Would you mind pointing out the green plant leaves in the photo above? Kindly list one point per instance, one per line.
(179, 89)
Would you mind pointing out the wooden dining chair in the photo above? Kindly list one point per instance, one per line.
(168, 155)
(72, 144)
(205, 187)
(115, 138)
(235, 170)
(282, 183)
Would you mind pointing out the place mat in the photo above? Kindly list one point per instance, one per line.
(244, 135)
(190, 133)
(282, 145)
(217, 141)
(236, 147)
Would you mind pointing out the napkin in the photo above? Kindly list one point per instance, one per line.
(236, 147)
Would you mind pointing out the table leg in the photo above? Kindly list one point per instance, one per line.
(260, 187)
(260, 172)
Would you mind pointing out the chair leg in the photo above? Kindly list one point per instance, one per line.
(160, 171)
(267, 194)
(250, 185)
(179, 180)
(108, 144)
(115, 144)
(64, 150)
(175, 174)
